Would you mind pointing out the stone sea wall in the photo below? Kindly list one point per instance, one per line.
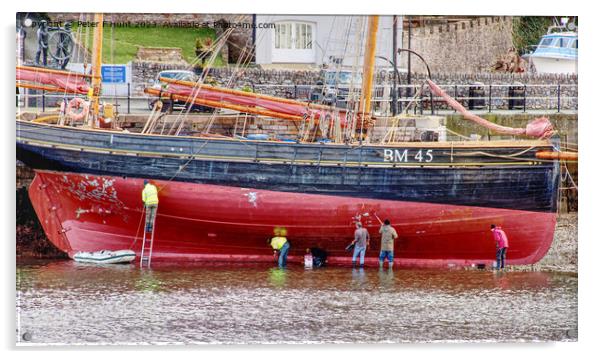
(541, 90)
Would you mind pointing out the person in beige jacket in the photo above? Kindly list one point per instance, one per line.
(387, 241)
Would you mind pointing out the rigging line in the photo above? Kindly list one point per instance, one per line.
(352, 84)
(476, 153)
(215, 48)
(457, 134)
(354, 105)
(325, 83)
(572, 149)
(196, 91)
(243, 58)
(351, 89)
(137, 229)
(64, 95)
(415, 97)
(570, 177)
(181, 167)
(112, 52)
(228, 84)
(493, 155)
(571, 143)
(183, 114)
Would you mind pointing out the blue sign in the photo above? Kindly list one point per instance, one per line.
(114, 74)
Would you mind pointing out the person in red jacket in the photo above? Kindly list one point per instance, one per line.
(501, 243)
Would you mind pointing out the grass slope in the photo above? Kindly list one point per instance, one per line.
(120, 43)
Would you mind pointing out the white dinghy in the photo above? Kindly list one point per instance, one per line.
(105, 256)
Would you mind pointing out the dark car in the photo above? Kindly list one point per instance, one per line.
(168, 104)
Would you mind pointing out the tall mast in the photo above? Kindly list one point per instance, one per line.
(96, 67)
(369, 59)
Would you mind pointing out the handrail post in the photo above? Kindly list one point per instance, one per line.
(455, 94)
(558, 93)
(128, 98)
(432, 103)
(490, 98)
(421, 104)
(525, 98)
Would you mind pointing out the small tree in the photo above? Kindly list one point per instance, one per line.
(527, 31)
(203, 49)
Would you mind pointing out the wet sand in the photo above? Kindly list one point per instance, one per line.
(73, 303)
(562, 256)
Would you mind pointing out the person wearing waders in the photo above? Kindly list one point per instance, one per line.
(280, 244)
(387, 241)
(150, 198)
(501, 244)
(361, 241)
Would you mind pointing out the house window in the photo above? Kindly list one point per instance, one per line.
(293, 42)
(284, 36)
(293, 35)
(303, 36)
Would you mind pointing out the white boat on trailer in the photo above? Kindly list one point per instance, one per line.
(105, 257)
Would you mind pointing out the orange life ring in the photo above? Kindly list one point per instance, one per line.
(75, 104)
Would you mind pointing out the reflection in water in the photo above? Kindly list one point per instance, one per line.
(386, 278)
(277, 277)
(66, 302)
(148, 282)
(358, 278)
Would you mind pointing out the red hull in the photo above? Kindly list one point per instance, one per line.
(218, 223)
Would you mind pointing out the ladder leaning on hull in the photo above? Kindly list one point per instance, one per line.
(146, 252)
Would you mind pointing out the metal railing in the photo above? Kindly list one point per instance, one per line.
(483, 97)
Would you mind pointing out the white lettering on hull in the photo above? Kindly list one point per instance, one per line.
(403, 156)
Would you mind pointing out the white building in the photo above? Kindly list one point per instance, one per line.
(322, 39)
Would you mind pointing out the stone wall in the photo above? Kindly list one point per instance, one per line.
(24, 175)
(161, 54)
(470, 46)
(282, 83)
(541, 90)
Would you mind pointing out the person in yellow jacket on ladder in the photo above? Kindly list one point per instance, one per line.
(150, 197)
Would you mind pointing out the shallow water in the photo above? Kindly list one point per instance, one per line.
(71, 303)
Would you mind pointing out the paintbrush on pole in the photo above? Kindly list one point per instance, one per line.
(375, 215)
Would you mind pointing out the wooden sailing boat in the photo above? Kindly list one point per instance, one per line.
(221, 198)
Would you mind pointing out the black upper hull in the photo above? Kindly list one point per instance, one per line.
(458, 176)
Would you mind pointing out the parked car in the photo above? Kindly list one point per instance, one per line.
(333, 87)
(183, 75)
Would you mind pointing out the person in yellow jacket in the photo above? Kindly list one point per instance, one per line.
(150, 197)
(279, 243)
